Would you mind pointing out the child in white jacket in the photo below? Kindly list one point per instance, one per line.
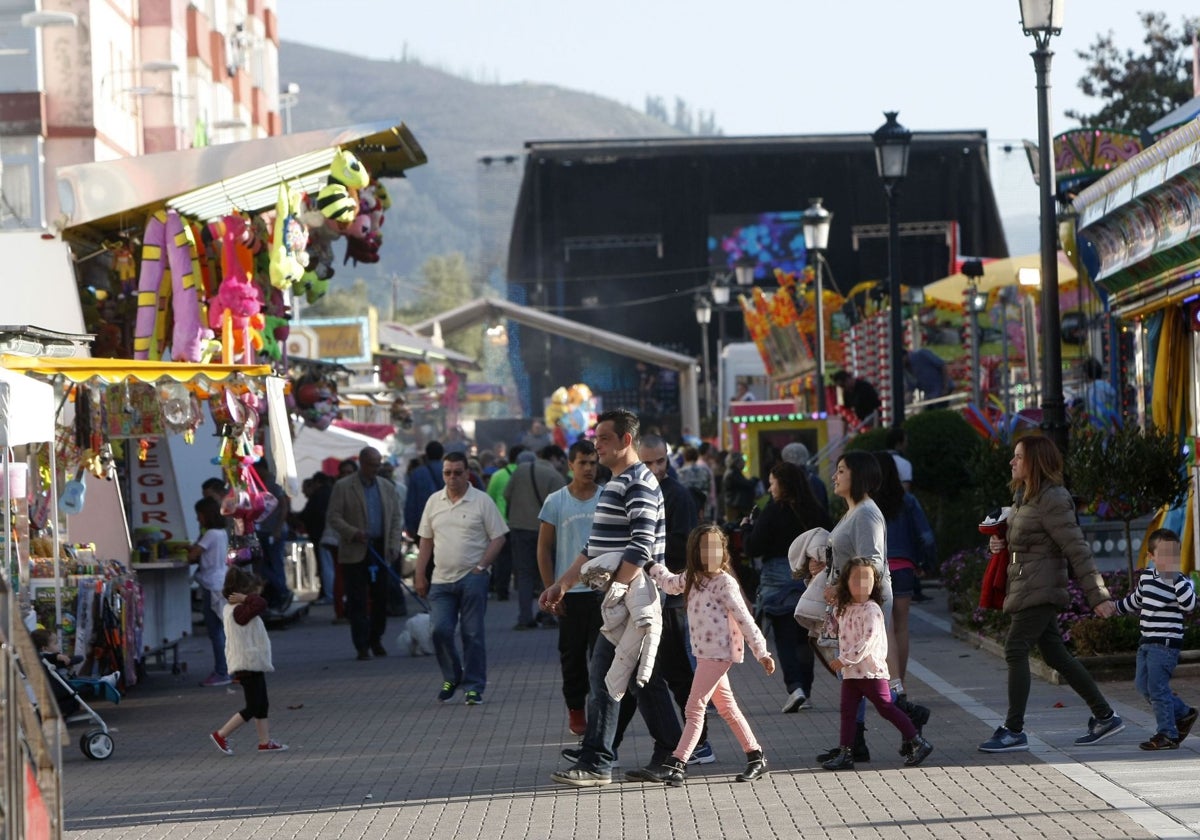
(248, 650)
(719, 622)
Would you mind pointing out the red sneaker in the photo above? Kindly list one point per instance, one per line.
(272, 746)
(222, 744)
(577, 721)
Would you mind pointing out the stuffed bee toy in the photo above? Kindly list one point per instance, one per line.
(338, 199)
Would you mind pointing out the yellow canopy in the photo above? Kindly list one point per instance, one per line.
(115, 371)
(997, 273)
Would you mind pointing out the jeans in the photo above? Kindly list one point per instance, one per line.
(578, 629)
(366, 603)
(462, 603)
(655, 704)
(502, 571)
(326, 566)
(672, 678)
(216, 633)
(272, 570)
(1039, 626)
(524, 561)
(711, 681)
(1155, 664)
(777, 597)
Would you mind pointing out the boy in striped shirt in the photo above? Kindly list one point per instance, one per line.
(1162, 596)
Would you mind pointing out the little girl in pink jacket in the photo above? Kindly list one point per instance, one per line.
(719, 621)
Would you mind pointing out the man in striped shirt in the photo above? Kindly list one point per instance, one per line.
(1162, 596)
(629, 520)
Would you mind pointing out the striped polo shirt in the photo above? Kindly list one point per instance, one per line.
(629, 518)
(1162, 604)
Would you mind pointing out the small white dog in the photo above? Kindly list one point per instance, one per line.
(417, 636)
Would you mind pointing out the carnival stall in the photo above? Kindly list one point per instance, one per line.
(1136, 232)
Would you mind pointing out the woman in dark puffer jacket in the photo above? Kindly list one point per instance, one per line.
(1044, 538)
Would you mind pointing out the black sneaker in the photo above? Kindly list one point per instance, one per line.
(647, 774)
(581, 777)
(1184, 724)
(447, 691)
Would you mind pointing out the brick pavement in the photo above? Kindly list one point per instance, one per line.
(374, 755)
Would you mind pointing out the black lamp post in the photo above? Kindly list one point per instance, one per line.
(703, 309)
(891, 158)
(816, 240)
(1042, 19)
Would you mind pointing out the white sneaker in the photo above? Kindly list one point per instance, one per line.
(796, 701)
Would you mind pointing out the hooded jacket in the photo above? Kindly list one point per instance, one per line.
(1044, 540)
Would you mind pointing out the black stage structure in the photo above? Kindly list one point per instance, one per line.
(601, 224)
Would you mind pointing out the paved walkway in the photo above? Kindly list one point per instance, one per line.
(373, 755)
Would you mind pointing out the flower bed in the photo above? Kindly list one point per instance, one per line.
(1087, 635)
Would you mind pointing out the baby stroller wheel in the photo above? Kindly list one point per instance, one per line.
(96, 745)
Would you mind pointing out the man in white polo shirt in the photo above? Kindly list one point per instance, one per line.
(467, 530)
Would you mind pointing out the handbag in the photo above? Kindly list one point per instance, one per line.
(811, 608)
(262, 501)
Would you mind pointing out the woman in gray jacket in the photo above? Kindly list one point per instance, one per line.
(1043, 538)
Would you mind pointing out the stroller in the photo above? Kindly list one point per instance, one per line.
(97, 742)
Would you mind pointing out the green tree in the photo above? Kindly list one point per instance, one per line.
(446, 283)
(1126, 472)
(1137, 89)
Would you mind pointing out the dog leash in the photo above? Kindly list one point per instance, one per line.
(378, 561)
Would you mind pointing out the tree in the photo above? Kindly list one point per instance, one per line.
(446, 283)
(1138, 89)
(1126, 472)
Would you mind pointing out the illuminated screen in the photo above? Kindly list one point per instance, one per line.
(773, 240)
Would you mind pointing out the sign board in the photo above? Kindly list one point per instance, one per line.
(155, 501)
(341, 340)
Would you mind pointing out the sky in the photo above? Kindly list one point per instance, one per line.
(761, 66)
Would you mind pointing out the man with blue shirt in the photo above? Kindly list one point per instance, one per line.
(566, 523)
(365, 512)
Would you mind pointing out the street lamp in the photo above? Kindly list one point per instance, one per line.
(288, 98)
(743, 271)
(703, 315)
(1043, 19)
(976, 303)
(891, 159)
(816, 239)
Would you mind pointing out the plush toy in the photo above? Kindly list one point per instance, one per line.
(237, 308)
(338, 199)
(167, 244)
(125, 266)
(287, 241)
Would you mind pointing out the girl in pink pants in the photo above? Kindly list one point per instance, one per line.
(719, 621)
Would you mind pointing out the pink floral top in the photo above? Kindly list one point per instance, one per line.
(862, 642)
(718, 619)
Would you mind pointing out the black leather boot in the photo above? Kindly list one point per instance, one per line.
(756, 766)
(861, 753)
(918, 750)
(674, 772)
(844, 760)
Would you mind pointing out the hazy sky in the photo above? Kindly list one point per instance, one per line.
(763, 66)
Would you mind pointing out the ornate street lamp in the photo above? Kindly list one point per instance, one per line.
(1042, 19)
(703, 311)
(743, 271)
(816, 239)
(891, 158)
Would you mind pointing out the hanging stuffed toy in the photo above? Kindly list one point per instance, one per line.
(170, 268)
(237, 308)
(338, 199)
(288, 241)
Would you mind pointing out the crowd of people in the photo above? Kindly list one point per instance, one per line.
(658, 565)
